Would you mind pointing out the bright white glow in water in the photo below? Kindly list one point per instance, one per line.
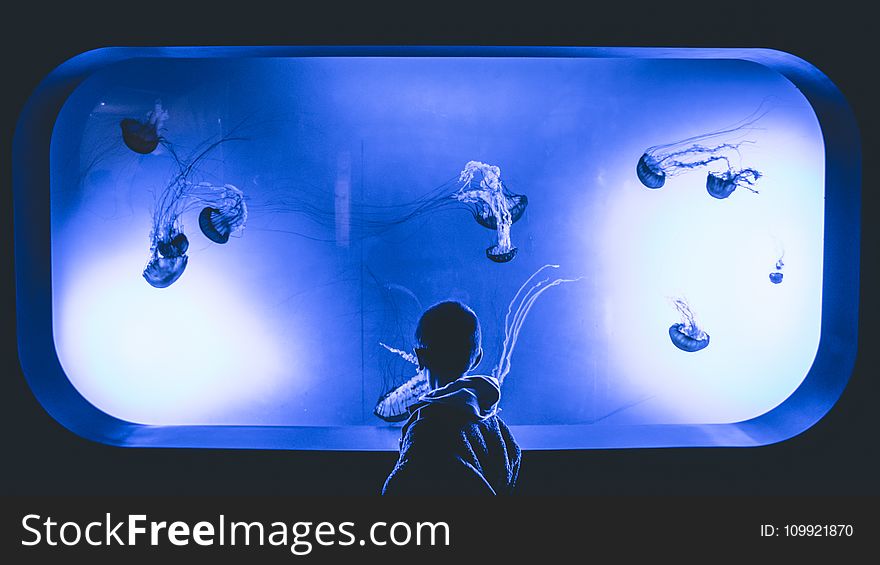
(678, 241)
(180, 355)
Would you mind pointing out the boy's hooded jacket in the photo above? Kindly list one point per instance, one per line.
(454, 443)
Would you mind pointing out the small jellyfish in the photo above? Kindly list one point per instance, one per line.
(142, 136)
(776, 276)
(659, 162)
(687, 335)
(482, 187)
(224, 217)
(721, 185)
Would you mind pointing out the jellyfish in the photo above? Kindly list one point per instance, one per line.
(162, 272)
(142, 136)
(492, 201)
(394, 405)
(168, 240)
(484, 216)
(517, 311)
(721, 185)
(659, 162)
(168, 260)
(776, 276)
(224, 217)
(687, 334)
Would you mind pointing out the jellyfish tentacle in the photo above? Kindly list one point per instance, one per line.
(406, 356)
(524, 303)
(393, 405)
(741, 127)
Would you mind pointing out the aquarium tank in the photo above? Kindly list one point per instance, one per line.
(231, 247)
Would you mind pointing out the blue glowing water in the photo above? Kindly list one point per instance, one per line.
(347, 167)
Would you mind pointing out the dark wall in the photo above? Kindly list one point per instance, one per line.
(840, 455)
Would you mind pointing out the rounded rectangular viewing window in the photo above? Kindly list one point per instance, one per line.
(232, 247)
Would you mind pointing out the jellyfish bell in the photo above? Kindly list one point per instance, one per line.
(720, 185)
(516, 203)
(227, 216)
(686, 340)
(212, 224)
(140, 137)
(176, 246)
(776, 277)
(162, 272)
(649, 172)
(499, 256)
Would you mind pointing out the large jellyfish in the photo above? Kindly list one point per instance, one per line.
(659, 162)
(398, 306)
(225, 216)
(482, 187)
(143, 136)
(393, 406)
(722, 184)
(687, 335)
(168, 241)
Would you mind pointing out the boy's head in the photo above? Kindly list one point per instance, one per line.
(448, 340)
